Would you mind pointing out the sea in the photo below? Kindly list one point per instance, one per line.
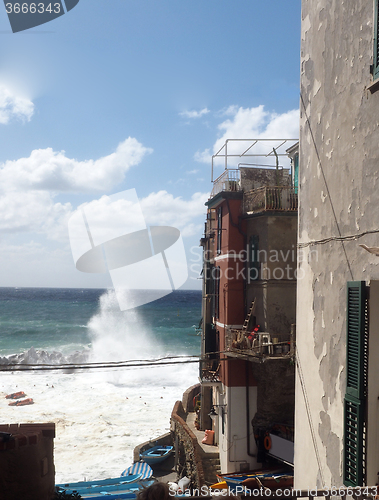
(101, 414)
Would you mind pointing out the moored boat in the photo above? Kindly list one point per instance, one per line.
(16, 395)
(156, 454)
(267, 478)
(127, 479)
(22, 402)
(139, 468)
(109, 496)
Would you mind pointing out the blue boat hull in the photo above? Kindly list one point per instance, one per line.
(113, 480)
(156, 454)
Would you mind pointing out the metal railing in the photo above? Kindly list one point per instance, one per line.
(230, 180)
(279, 198)
(209, 371)
(260, 345)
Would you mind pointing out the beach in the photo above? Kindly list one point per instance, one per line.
(101, 415)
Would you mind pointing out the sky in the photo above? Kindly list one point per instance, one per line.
(133, 94)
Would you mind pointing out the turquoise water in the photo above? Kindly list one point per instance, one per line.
(69, 320)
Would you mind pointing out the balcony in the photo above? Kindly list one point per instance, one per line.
(279, 199)
(261, 346)
(209, 372)
(230, 180)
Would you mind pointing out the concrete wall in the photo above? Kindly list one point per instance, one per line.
(275, 290)
(339, 196)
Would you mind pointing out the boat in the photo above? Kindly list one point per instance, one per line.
(16, 395)
(274, 482)
(256, 478)
(109, 496)
(139, 468)
(99, 491)
(22, 402)
(127, 479)
(156, 454)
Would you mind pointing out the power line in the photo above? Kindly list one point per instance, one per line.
(144, 363)
(350, 237)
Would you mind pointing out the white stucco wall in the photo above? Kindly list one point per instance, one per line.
(232, 444)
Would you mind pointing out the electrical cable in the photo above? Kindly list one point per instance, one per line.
(100, 365)
(350, 237)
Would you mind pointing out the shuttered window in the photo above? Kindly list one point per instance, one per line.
(353, 442)
(356, 374)
(376, 41)
(355, 338)
(253, 261)
(219, 229)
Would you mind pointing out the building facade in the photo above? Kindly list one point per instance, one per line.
(249, 301)
(337, 386)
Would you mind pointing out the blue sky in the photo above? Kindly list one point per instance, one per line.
(121, 94)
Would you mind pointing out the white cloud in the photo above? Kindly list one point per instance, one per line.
(203, 156)
(162, 208)
(194, 114)
(252, 123)
(46, 169)
(28, 186)
(14, 106)
(32, 211)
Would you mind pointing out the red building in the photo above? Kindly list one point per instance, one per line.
(249, 302)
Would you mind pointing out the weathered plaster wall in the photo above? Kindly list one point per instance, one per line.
(339, 162)
(254, 178)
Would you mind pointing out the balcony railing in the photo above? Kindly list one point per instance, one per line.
(230, 180)
(260, 345)
(209, 371)
(280, 198)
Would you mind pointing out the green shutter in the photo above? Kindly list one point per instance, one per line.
(356, 371)
(296, 173)
(353, 442)
(355, 338)
(376, 41)
(254, 266)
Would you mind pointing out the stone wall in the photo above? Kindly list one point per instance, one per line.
(26, 462)
(188, 448)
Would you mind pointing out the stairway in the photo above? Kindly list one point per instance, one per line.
(211, 467)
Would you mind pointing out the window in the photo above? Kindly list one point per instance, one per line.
(219, 229)
(217, 292)
(253, 261)
(356, 383)
(214, 289)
